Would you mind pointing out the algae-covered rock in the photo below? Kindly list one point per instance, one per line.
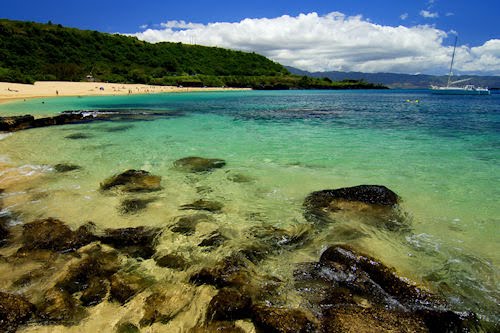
(214, 240)
(230, 271)
(198, 164)
(133, 181)
(60, 307)
(15, 310)
(229, 304)
(134, 205)
(172, 260)
(127, 328)
(66, 167)
(136, 242)
(210, 206)
(125, 285)
(217, 326)
(161, 307)
(283, 320)
(53, 234)
(186, 225)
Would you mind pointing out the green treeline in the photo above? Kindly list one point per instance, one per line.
(46, 52)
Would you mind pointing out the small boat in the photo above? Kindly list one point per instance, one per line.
(450, 89)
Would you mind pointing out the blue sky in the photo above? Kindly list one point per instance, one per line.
(360, 34)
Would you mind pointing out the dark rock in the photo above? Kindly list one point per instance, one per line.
(229, 304)
(78, 136)
(136, 242)
(52, 234)
(214, 240)
(370, 319)
(93, 269)
(198, 164)
(217, 326)
(125, 285)
(127, 328)
(59, 307)
(283, 320)
(370, 194)
(4, 232)
(16, 123)
(173, 261)
(96, 291)
(135, 205)
(230, 271)
(256, 252)
(210, 206)
(186, 225)
(276, 238)
(15, 310)
(64, 167)
(133, 181)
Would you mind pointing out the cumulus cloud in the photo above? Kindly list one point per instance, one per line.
(428, 14)
(333, 42)
(403, 16)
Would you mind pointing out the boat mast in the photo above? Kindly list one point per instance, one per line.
(452, 59)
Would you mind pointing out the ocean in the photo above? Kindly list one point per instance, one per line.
(440, 154)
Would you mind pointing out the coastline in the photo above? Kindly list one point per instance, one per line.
(16, 91)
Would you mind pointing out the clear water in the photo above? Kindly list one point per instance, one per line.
(440, 154)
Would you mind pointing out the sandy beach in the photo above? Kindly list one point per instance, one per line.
(15, 91)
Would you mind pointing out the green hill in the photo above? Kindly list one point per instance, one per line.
(32, 51)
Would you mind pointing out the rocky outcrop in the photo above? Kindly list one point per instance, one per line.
(136, 242)
(17, 123)
(132, 181)
(198, 164)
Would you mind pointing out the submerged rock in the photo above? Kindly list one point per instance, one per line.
(53, 234)
(125, 285)
(135, 205)
(15, 310)
(66, 167)
(198, 164)
(351, 290)
(172, 260)
(136, 242)
(217, 326)
(186, 225)
(210, 206)
(230, 271)
(373, 204)
(283, 320)
(60, 307)
(78, 136)
(214, 240)
(229, 304)
(163, 307)
(133, 181)
(127, 328)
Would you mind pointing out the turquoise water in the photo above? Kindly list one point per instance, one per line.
(440, 154)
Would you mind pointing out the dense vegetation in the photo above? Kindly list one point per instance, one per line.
(45, 52)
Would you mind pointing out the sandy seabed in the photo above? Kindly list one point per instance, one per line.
(15, 91)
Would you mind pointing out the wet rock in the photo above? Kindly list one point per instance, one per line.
(4, 232)
(173, 261)
(214, 240)
(230, 271)
(15, 310)
(276, 238)
(90, 275)
(371, 319)
(186, 225)
(283, 320)
(78, 136)
(133, 206)
(373, 204)
(217, 326)
(125, 285)
(229, 304)
(60, 307)
(66, 167)
(161, 308)
(132, 181)
(210, 206)
(127, 328)
(198, 164)
(16, 123)
(53, 234)
(255, 253)
(136, 242)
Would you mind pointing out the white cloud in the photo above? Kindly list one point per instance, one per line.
(403, 16)
(144, 26)
(334, 42)
(428, 14)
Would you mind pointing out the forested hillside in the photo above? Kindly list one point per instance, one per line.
(32, 51)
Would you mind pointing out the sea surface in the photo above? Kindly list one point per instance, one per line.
(440, 154)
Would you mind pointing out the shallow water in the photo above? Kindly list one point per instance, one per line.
(441, 155)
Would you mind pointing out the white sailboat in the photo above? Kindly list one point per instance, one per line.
(450, 89)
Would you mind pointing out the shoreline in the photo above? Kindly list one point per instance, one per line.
(10, 92)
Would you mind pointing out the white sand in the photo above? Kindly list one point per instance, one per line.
(14, 91)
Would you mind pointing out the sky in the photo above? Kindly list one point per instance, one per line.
(405, 36)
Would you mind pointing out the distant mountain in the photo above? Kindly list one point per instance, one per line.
(393, 80)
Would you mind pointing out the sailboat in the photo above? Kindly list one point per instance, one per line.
(450, 89)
